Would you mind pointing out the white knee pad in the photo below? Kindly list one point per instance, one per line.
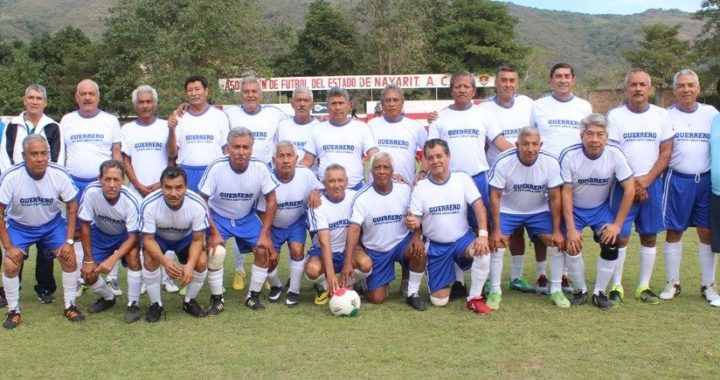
(217, 260)
(439, 302)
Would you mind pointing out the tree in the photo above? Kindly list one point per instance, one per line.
(707, 47)
(661, 53)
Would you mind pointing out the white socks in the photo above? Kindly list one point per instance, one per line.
(69, 281)
(496, 267)
(12, 291)
(459, 274)
(273, 278)
(707, 264)
(101, 288)
(239, 256)
(152, 284)
(215, 281)
(673, 255)
(414, 282)
(196, 284)
(557, 265)
(576, 271)
(647, 262)
(540, 267)
(619, 266)
(134, 281)
(516, 266)
(478, 275)
(605, 270)
(296, 272)
(259, 275)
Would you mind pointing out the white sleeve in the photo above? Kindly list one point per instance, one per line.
(85, 213)
(116, 138)
(368, 140)
(497, 176)
(207, 183)
(433, 132)
(125, 143)
(358, 215)
(131, 219)
(472, 193)
(416, 204)
(554, 177)
(68, 190)
(200, 221)
(623, 170)
(148, 222)
(566, 170)
(317, 220)
(5, 160)
(268, 183)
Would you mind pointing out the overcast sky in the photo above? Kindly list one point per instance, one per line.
(623, 7)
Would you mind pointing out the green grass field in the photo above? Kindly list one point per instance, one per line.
(527, 338)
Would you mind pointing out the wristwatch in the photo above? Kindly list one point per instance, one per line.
(70, 241)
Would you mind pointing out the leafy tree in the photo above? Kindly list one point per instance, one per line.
(661, 53)
(708, 46)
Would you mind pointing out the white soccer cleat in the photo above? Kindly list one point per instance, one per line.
(715, 303)
(170, 286)
(671, 290)
(710, 294)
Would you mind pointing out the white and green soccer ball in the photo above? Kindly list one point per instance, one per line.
(345, 303)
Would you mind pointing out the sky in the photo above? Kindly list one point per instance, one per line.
(622, 7)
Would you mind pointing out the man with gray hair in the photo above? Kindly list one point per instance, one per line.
(297, 129)
(687, 186)
(231, 186)
(34, 121)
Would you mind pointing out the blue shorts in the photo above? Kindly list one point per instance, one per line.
(81, 184)
(383, 264)
(648, 216)
(51, 235)
(358, 186)
(294, 233)
(194, 175)
(595, 218)
(536, 224)
(481, 183)
(245, 230)
(180, 247)
(440, 258)
(686, 201)
(337, 257)
(104, 245)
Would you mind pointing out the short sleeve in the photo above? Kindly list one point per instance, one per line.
(553, 171)
(68, 191)
(131, 218)
(269, 183)
(125, 145)
(148, 221)
(368, 139)
(497, 175)
(421, 135)
(317, 220)
(85, 213)
(566, 170)
(622, 167)
(6, 190)
(200, 219)
(310, 145)
(207, 183)
(358, 213)
(472, 193)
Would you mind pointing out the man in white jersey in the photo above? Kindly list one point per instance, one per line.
(521, 181)
(513, 111)
(466, 128)
(396, 134)
(340, 140)
(108, 230)
(199, 136)
(91, 136)
(378, 222)
(298, 189)
(328, 225)
(30, 196)
(297, 129)
(440, 203)
(231, 186)
(144, 142)
(589, 171)
(33, 121)
(557, 117)
(645, 134)
(174, 218)
(686, 199)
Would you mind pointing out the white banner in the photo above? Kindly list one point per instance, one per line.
(356, 82)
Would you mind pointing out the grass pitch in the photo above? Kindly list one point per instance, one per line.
(527, 338)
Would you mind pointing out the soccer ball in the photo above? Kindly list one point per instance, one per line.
(345, 303)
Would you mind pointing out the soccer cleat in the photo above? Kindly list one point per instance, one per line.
(73, 314)
(646, 295)
(458, 290)
(715, 303)
(565, 284)
(183, 291)
(601, 300)
(101, 305)
(154, 312)
(114, 285)
(275, 292)
(46, 298)
(292, 299)
(266, 285)
(710, 293)
(559, 299)
(493, 300)
(253, 301)
(170, 286)
(485, 289)
(3, 300)
(193, 308)
(617, 293)
(239, 281)
(133, 313)
(541, 285)
(322, 295)
(217, 304)
(478, 305)
(521, 284)
(12, 319)
(671, 291)
(416, 302)
(578, 298)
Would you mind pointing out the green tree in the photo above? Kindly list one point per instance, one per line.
(707, 47)
(661, 53)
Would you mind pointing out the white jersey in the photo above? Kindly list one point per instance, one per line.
(145, 144)
(691, 147)
(233, 194)
(88, 142)
(639, 134)
(263, 124)
(401, 139)
(297, 133)
(524, 188)
(341, 144)
(559, 121)
(465, 131)
(592, 179)
(381, 216)
(172, 225)
(111, 219)
(334, 217)
(292, 197)
(201, 137)
(35, 202)
(511, 119)
(444, 206)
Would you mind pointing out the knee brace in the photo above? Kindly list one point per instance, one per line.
(609, 251)
(216, 261)
(439, 302)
